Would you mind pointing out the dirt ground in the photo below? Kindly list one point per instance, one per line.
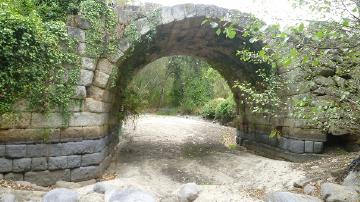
(166, 151)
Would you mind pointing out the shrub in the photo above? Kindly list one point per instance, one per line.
(209, 110)
(225, 110)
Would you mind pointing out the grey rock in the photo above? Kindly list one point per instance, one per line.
(86, 77)
(84, 173)
(35, 150)
(129, 195)
(352, 179)
(309, 189)
(61, 195)
(56, 163)
(309, 147)
(296, 146)
(15, 151)
(7, 197)
(318, 147)
(290, 197)
(68, 185)
(5, 165)
(77, 34)
(283, 143)
(92, 159)
(39, 164)
(92, 197)
(333, 193)
(324, 81)
(14, 176)
(188, 192)
(54, 149)
(74, 161)
(102, 187)
(88, 63)
(21, 165)
(46, 178)
(80, 92)
(2, 150)
(82, 147)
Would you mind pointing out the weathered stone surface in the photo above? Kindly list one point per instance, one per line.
(21, 165)
(51, 120)
(92, 159)
(46, 178)
(309, 147)
(318, 147)
(102, 187)
(80, 92)
(74, 161)
(20, 136)
(84, 173)
(88, 63)
(68, 185)
(296, 146)
(100, 94)
(15, 151)
(38, 164)
(8, 197)
(81, 49)
(35, 150)
(71, 134)
(324, 81)
(129, 195)
(105, 66)
(86, 77)
(289, 197)
(14, 176)
(5, 165)
(83, 147)
(78, 133)
(116, 56)
(101, 79)
(92, 105)
(352, 179)
(88, 119)
(188, 192)
(78, 21)
(310, 189)
(2, 150)
(92, 197)
(77, 34)
(54, 149)
(61, 195)
(56, 163)
(334, 192)
(9, 121)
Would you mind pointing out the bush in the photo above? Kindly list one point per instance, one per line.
(225, 110)
(209, 110)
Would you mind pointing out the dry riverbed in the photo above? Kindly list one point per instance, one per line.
(163, 152)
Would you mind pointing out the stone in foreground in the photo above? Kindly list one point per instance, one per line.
(188, 192)
(290, 197)
(333, 193)
(128, 195)
(61, 195)
(8, 198)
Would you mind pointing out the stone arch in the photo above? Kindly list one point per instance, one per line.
(83, 149)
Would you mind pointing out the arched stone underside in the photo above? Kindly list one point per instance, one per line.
(40, 149)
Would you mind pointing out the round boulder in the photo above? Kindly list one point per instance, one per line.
(188, 192)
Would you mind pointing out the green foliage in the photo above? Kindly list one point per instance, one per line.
(209, 109)
(34, 65)
(225, 110)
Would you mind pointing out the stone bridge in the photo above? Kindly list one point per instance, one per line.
(40, 149)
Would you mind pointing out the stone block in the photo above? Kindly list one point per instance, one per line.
(116, 56)
(35, 150)
(15, 151)
(79, 133)
(20, 136)
(80, 92)
(124, 45)
(296, 146)
(54, 149)
(88, 63)
(92, 105)
(93, 159)
(51, 120)
(2, 150)
(309, 147)
(14, 176)
(105, 66)
(38, 164)
(74, 161)
(76, 33)
(318, 147)
(10, 121)
(21, 165)
(82, 147)
(78, 21)
(86, 77)
(85, 173)
(88, 119)
(46, 178)
(5, 165)
(101, 79)
(56, 163)
(81, 49)
(166, 15)
(71, 134)
(100, 94)
(100, 146)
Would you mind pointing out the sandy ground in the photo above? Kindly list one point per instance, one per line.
(165, 152)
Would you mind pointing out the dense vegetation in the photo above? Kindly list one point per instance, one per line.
(185, 85)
